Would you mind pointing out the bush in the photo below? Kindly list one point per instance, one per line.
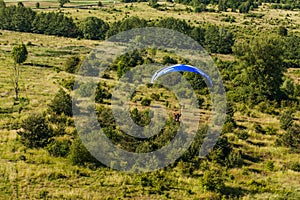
(59, 148)
(101, 94)
(71, 64)
(169, 60)
(155, 96)
(35, 131)
(270, 130)
(234, 159)
(270, 165)
(37, 5)
(213, 180)
(61, 103)
(243, 135)
(295, 166)
(286, 119)
(146, 102)
(79, 155)
(258, 128)
(99, 4)
(291, 138)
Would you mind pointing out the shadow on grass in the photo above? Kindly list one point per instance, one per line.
(38, 65)
(259, 144)
(251, 158)
(234, 192)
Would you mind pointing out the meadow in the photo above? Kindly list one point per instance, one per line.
(32, 173)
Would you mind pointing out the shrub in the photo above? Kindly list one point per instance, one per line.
(99, 4)
(258, 128)
(71, 64)
(291, 138)
(101, 94)
(270, 130)
(79, 155)
(61, 103)
(59, 148)
(155, 96)
(35, 131)
(286, 119)
(295, 166)
(37, 5)
(146, 102)
(169, 60)
(213, 180)
(269, 165)
(243, 135)
(234, 159)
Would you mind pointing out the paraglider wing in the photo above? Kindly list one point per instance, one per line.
(181, 68)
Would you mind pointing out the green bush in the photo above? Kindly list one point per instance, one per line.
(155, 96)
(234, 159)
(79, 155)
(35, 131)
(71, 65)
(286, 119)
(243, 135)
(270, 165)
(270, 130)
(146, 102)
(99, 4)
(213, 180)
(291, 138)
(295, 166)
(61, 103)
(59, 148)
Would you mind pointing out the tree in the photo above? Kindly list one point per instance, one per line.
(213, 180)
(63, 2)
(222, 5)
(2, 4)
(71, 64)
(35, 131)
(262, 69)
(153, 3)
(198, 34)
(291, 138)
(282, 31)
(61, 103)
(288, 87)
(19, 54)
(218, 40)
(94, 28)
(286, 119)
(99, 4)
(79, 155)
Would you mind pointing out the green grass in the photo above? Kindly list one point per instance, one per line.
(40, 175)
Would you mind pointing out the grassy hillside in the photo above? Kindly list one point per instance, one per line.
(28, 173)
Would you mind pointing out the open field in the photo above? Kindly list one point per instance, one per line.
(27, 173)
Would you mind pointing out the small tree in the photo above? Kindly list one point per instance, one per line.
(19, 54)
(213, 180)
(71, 64)
(282, 31)
(61, 103)
(2, 4)
(37, 5)
(35, 131)
(286, 119)
(63, 2)
(99, 4)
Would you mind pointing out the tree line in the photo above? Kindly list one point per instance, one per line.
(22, 19)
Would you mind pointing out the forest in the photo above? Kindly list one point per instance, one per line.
(44, 46)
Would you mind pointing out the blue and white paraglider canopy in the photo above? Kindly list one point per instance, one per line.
(180, 68)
